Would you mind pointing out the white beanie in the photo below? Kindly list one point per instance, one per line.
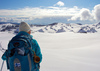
(24, 27)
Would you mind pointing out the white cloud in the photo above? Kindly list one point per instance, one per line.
(83, 14)
(37, 13)
(71, 14)
(96, 12)
(40, 12)
(59, 3)
(86, 14)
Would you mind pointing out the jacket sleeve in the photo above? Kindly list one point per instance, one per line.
(37, 50)
(4, 56)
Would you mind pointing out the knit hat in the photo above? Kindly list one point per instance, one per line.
(24, 27)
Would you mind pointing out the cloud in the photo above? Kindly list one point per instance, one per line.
(96, 12)
(59, 3)
(70, 14)
(84, 14)
(40, 12)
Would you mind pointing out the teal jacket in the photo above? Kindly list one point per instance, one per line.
(35, 47)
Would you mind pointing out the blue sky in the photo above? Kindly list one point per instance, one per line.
(49, 11)
(16, 4)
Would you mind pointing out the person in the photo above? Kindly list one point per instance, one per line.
(25, 29)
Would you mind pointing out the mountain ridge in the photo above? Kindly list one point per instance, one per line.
(54, 28)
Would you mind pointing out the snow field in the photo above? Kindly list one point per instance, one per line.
(65, 51)
(69, 51)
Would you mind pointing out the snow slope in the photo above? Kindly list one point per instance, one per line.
(65, 51)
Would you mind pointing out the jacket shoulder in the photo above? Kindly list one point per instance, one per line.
(34, 41)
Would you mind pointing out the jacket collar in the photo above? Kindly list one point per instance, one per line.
(23, 33)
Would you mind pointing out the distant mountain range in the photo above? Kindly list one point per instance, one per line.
(53, 28)
(8, 22)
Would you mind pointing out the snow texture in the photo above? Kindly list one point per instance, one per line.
(65, 51)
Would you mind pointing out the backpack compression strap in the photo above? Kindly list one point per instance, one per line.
(36, 58)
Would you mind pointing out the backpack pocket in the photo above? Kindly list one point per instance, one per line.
(20, 63)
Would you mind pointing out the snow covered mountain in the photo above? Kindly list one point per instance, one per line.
(61, 27)
(9, 27)
(55, 28)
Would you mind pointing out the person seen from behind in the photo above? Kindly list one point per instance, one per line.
(17, 56)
